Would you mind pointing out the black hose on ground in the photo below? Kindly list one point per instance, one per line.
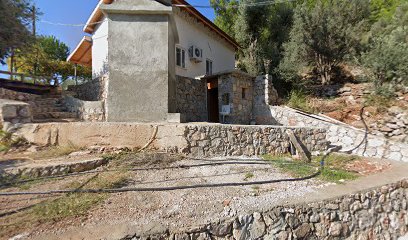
(172, 188)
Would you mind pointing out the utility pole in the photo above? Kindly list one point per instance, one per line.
(34, 20)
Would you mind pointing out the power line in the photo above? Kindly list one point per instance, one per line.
(255, 4)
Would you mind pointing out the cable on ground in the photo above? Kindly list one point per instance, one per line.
(172, 188)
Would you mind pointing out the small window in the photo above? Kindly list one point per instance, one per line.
(208, 67)
(180, 57)
(244, 92)
(225, 99)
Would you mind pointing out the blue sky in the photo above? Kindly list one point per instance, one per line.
(77, 12)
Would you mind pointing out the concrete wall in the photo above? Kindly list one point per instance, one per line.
(214, 48)
(100, 50)
(138, 87)
(141, 84)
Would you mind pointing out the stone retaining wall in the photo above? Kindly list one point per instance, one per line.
(18, 96)
(227, 140)
(265, 95)
(379, 213)
(89, 111)
(14, 112)
(93, 90)
(191, 99)
(190, 139)
(343, 135)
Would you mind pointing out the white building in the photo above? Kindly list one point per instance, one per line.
(201, 47)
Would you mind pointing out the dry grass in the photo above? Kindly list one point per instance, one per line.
(55, 151)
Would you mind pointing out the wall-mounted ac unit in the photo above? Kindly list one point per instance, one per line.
(196, 54)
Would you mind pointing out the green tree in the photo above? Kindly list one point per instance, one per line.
(323, 36)
(15, 17)
(226, 13)
(387, 57)
(47, 57)
(383, 9)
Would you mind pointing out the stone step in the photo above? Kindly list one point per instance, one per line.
(46, 109)
(48, 120)
(56, 115)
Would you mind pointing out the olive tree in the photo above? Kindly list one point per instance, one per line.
(324, 35)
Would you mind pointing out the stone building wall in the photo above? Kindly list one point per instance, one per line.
(265, 95)
(14, 112)
(233, 84)
(88, 111)
(380, 213)
(344, 135)
(191, 99)
(93, 90)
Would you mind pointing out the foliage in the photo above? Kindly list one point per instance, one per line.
(8, 140)
(383, 9)
(225, 14)
(324, 35)
(261, 31)
(15, 18)
(334, 170)
(299, 99)
(56, 151)
(47, 57)
(387, 57)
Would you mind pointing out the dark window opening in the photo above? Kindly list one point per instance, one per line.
(180, 57)
(244, 90)
(208, 67)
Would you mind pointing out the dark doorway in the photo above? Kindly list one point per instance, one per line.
(212, 101)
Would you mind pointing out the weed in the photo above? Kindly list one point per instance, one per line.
(56, 151)
(334, 170)
(381, 102)
(299, 99)
(248, 176)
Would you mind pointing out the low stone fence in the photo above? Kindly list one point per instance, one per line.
(190, 139)
(93, 90)
(14, 112)
(379, 213)
(89, 111)
(343, 135)
(18, 96)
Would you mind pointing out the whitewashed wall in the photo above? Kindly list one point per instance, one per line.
(215, 49)
(100, 50)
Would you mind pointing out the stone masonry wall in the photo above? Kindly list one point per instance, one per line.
(94, 90)
(17, 96)
(191, 99)
(265, 95)
(234, 84)
(379, 213)
(344, 135)
(89, 111)
(224, 140)
(14, 112)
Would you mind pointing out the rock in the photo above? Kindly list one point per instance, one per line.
(386, 129)
(302, 231)
(79, 153)
(335, 229)
(258, 227)
(221, 230)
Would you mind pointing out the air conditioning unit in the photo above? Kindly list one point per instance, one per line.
(196, 54)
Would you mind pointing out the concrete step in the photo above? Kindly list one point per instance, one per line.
(54, 115)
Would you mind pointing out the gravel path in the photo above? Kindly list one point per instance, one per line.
(181, 209)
